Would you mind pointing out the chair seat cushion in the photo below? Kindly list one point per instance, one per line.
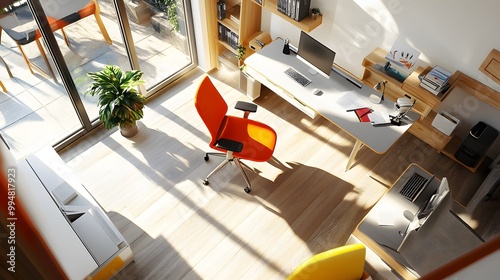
(258, 139)
(21, 26)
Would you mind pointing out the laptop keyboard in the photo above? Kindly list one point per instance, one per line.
(413, 187)
(296, 76)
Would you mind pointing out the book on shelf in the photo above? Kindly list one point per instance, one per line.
(226, 35)
(436, 80)
(295, 9)
(221, 9)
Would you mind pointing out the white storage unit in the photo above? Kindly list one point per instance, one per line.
(75, 227)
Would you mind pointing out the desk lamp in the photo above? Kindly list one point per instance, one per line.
(375, 98)
(403, 105)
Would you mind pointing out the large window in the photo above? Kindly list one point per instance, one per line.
(50, 45)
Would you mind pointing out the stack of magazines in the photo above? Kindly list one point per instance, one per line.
(436, 80)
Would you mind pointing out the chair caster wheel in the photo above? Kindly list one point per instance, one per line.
(205, 182)
(247, 189)
(206, 158)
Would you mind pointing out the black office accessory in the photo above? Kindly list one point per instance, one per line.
(286, 47)
(475, 145)
(414, 186)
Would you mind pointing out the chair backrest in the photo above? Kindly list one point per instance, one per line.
(342, 263)
(210, 106)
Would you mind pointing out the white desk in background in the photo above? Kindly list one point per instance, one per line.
(442, 237)
(267, 66)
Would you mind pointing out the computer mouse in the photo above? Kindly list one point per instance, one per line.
(317, 91)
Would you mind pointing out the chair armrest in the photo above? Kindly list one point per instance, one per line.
(229, 145)
(246, 106)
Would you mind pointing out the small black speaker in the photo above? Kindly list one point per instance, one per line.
(286, 47)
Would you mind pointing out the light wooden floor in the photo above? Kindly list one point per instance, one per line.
(302, 201)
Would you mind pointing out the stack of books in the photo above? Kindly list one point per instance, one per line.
(296, 9)
(228, 36)
(436, 80)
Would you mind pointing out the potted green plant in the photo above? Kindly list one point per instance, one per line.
(120, 104)
(240, 53)
(315, 12)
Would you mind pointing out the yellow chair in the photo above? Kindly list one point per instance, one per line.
(342, 263)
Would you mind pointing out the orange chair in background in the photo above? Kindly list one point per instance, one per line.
(18, 22)
(234, 137)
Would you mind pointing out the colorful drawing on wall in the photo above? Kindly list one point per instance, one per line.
(403, 55)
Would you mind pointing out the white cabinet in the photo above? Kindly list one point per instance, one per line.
(76, 229)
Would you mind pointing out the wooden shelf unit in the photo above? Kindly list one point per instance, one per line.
(394, 89)
(249, 23)
(250, 14)
(477, 89)
(307, 24)
(424, 130)
(426, 101)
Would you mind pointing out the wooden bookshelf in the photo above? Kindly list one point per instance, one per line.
(478, 89)
(248, 23)
(307, 24)
(243, 18)
(427, 101)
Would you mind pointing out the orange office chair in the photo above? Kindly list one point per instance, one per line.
(235, 137)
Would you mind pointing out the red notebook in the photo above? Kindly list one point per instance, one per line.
(362, 114)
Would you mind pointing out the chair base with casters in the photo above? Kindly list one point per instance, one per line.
(235, 138)
(229, 158)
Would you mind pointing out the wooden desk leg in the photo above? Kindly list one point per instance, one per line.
(354, 152)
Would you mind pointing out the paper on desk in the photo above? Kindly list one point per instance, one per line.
(351, 100)
(378, 117)
(386, 217)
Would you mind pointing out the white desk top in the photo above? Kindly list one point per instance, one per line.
(271, 63)
(439, 240)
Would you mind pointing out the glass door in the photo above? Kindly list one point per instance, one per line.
(162, 39)
(50, 54)
(35, 108)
